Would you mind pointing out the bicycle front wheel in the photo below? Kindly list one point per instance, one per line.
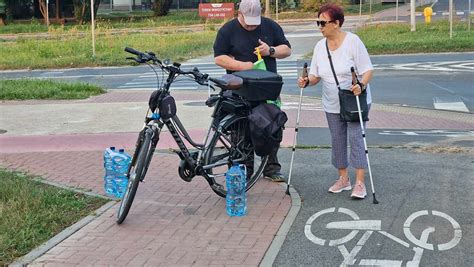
(232, 144)
(136, 173)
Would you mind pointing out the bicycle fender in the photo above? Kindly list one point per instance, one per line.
(229, 119)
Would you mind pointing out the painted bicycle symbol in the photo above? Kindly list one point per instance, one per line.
(370, 226)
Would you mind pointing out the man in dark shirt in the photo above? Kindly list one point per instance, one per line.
(234, 50)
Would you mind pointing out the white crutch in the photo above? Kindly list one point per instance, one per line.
(305, 74)
(354, 78)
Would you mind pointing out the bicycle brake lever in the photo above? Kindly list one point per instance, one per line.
(135, 59)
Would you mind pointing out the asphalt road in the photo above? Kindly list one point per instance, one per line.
(459, 5)
(424, 216)
(423, 80)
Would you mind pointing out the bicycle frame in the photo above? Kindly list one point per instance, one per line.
(175, 127)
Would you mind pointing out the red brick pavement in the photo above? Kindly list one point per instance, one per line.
(171, 222)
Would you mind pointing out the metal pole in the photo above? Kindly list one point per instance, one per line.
(450, 19)
(469, 17)
(93, 28)
(267, 8)
(276, 10)
(412, 15)
(396, 12)
(370, 10)
(47, 13)
(360, 11)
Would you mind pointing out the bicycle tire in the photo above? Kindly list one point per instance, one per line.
(135, 174)
(217, 141)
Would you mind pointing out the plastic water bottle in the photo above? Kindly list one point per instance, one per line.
(236, 199)
(109, 176)
(121, 162)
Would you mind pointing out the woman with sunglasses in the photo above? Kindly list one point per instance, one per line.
(346, 50)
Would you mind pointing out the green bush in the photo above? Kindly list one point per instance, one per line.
(311, 5)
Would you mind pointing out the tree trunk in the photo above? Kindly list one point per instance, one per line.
(42, 7)
(58, 9)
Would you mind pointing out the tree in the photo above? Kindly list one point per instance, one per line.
(162, 7)
(312, 5)
(82, 9)
(3, 12)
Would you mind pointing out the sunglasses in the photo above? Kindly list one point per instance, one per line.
(323, 23)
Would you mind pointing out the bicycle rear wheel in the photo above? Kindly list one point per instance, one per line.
(232, 144)
(136, 173)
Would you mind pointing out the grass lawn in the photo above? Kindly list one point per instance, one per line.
(75, 50)
(46, 89)
(117, 20)
(31, 213)
(431, 38)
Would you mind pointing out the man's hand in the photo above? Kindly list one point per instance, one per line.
(229, 63)
(264, 48)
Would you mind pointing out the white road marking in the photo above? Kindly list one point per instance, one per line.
(356, 225)
(303, 35)
(441, 87)
(422, 242)
(446, 133)
(389, 263)
(455, 106)
(396, 239)
(349, 258)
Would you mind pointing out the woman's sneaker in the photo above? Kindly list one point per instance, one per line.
(340, 185)
(359, 191)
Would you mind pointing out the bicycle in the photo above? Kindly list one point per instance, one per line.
(227, 141)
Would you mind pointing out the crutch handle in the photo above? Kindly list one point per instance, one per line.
(305, 74)
(355, 80)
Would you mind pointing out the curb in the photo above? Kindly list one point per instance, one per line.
(55, 240)
(280, 237)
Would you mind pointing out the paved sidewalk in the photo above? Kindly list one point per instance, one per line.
(171, 222)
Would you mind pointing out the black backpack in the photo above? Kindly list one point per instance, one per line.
(266, 123)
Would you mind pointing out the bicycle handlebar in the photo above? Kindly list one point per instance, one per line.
(199, 77)
(133, 51)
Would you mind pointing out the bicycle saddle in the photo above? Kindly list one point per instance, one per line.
(232, 82)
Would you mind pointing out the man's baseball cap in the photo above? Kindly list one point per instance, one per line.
(251, 11)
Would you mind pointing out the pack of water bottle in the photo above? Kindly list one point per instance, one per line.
(236, 198)
(116, 165)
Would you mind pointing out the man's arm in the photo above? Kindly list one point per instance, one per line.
(282, 51)
(229, 63)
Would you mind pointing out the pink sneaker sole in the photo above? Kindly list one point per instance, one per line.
(347, 188)
(358, 196)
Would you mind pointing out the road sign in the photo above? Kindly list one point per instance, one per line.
(216, 10)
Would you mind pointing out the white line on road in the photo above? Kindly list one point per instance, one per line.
(455, 103)
(441, 87)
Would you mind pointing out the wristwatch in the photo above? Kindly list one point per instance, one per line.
(272, 50)
(362, 86)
